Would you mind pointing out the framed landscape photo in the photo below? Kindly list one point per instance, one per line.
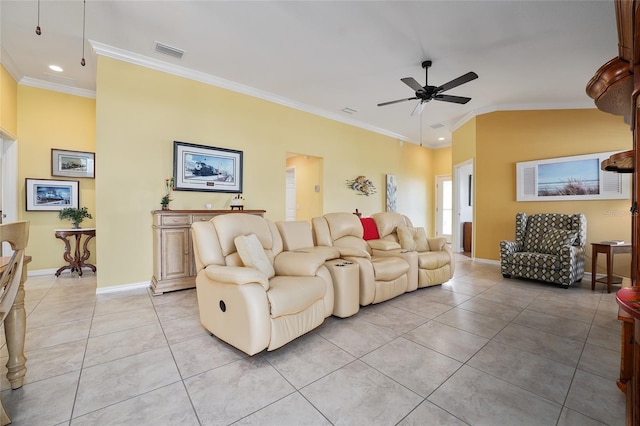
(206, 168)
(51, 195)
(577, 177)
(72, 163)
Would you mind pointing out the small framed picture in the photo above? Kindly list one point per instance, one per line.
(206, 168)
(73, 163)
(47, 195)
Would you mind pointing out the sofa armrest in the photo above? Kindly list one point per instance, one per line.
(236, 275)
(383, 245)
(509, 247)
(437, 243)
(292, 263)
(570, 253)
(353, 252)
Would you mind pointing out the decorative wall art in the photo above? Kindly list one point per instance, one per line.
(392, 186)
(363, 185)
(51, 195)
(72, 163)
(577, 177)
(206, 168)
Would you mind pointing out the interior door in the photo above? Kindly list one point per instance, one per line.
(444, 207)
(291, 194)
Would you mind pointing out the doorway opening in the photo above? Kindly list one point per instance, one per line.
(444, 207)
(304, 197)
(463, 208)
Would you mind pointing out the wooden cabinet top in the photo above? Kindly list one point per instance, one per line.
(184, 218)
(212, 212)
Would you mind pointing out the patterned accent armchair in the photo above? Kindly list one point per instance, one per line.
(548, 247)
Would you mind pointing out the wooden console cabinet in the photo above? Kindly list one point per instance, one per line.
(173, 263)
(615, 88)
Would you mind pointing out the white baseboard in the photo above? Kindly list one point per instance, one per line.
(122, 287)
(41, 272)
(487, 261)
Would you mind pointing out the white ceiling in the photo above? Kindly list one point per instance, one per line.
(323, 56)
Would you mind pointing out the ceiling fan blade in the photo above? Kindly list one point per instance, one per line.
(411, 82)
(457, 81)
(395, 102)
(418, 109)
(454, 99)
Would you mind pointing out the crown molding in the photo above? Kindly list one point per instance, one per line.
(9, 65)
(56, 87)
(586, 104)
(180, 71)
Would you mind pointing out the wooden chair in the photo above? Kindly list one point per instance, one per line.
(17, 235)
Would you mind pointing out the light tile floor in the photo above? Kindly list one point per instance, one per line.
(478, 350)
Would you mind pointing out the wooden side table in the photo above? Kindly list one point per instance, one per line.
(77, 262)
(609, 250)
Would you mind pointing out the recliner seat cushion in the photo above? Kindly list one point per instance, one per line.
(291, 295)
(433, 259)
(389, 268)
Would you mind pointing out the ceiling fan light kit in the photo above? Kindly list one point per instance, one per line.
(428, 93)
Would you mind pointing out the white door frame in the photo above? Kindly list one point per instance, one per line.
(439, 216)
(288, 194)
(457, 185)
(9, 148)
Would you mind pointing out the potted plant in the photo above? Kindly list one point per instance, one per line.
(168, 186)
(76, 216)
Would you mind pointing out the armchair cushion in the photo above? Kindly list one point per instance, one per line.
(554, 239)
(413, 239)
(253, 255)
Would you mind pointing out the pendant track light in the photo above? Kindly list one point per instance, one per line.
(84, 20)
(38, 30)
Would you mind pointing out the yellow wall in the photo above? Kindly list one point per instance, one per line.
(463, 142)
(8, 103)
(140, 112)
(47, 120)
(504, 138)
(308, 175)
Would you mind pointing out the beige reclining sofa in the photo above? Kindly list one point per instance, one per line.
(251, 293)
(435, 263)
(297, 236)
(381, 277)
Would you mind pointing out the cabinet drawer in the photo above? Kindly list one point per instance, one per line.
(169, 220)
(202, 217)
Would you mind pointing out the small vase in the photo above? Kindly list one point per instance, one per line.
(165, 206)
(76, 225)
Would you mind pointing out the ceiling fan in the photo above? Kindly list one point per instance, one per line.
(427, 93)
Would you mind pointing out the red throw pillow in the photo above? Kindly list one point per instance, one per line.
(370, 229)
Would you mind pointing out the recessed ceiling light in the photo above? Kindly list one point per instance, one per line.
(440, 139)
(55, 68)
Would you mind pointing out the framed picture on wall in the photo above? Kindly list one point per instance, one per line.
(47, 195)
(72, 163)
(577, 177)
(206, 168)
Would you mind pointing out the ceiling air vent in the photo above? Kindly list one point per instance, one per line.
(437, 126)
(168, 50)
